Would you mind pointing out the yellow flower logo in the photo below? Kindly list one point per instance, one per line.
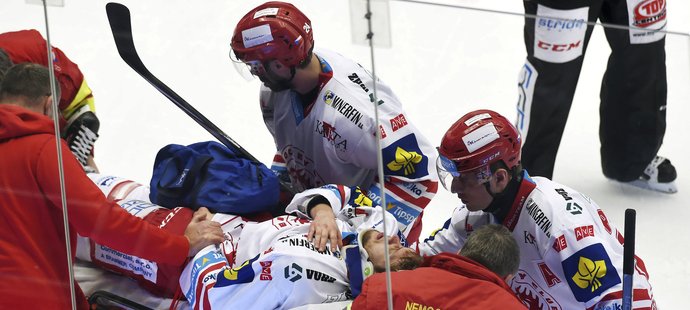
(433, 233)
(362, 200)
(231, 274)
(589, 272)
(404, 160)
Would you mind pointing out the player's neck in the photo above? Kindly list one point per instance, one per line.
(307, 79)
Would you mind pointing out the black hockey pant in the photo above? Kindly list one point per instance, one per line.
(633, 90)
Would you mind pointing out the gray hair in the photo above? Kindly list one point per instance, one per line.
(494, 247)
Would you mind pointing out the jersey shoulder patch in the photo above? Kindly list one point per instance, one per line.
(589, 272)
(405, 158)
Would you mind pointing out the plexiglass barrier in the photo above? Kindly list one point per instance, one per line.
(445, 60)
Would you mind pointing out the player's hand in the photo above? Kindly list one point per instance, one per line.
(204, 213)
(202, 232)
(324, 229)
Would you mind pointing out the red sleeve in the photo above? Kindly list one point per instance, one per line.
(91, 215)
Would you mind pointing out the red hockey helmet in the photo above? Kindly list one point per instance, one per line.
(273, 31)
(477, 140)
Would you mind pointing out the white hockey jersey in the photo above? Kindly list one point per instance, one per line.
(271, 264)
(334, 141)
(571, 257)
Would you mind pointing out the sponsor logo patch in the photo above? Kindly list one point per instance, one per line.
(647, 16)
(573, 208)
(266, 271)
(559, 34)
(649, 12)
(293, 272)
(339, 104)
(584, 232)
(526, 79)
(398, 122)
(402, 213)
(242, 274)
(328, 132)
(405, 158)
(480, 137)
(564, 194)
(256, 36)
(604, 220)
(560, 244)
(354, 78)
(136, 265)
(540, 218)
(589, 272)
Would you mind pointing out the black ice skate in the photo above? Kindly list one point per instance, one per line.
(81, 134)
(660, 175)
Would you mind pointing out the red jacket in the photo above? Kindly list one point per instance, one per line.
(33, 256)
(444, 281)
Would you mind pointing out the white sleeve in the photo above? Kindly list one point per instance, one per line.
(452, 236)
(337, 196)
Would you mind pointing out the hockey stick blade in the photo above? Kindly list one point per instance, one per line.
(120, 25)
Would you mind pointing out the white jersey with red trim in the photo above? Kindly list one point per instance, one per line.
(271, 264)
(571, 257)
(334, 141)
(160, 279)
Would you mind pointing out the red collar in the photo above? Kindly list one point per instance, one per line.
(527, 185)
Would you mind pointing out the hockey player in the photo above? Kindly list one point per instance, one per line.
(633, 91)
(261, 258)
(78, 119)
(571, 257)
(474, 279)
(319, 107)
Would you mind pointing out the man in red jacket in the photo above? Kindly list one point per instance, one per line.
(33, 257)
(78, 122)
(475, 279)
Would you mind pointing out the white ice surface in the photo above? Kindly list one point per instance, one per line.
(444, 62)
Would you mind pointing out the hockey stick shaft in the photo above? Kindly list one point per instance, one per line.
(628, 258)
(121, 26)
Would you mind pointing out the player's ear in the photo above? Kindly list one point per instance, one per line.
(47, 106)
(501, 178)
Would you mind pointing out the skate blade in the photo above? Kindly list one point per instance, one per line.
(668, 188)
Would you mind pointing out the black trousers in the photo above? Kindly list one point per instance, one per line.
(633, 91)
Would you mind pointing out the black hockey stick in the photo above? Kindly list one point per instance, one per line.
(628, 258)
(121, 26)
